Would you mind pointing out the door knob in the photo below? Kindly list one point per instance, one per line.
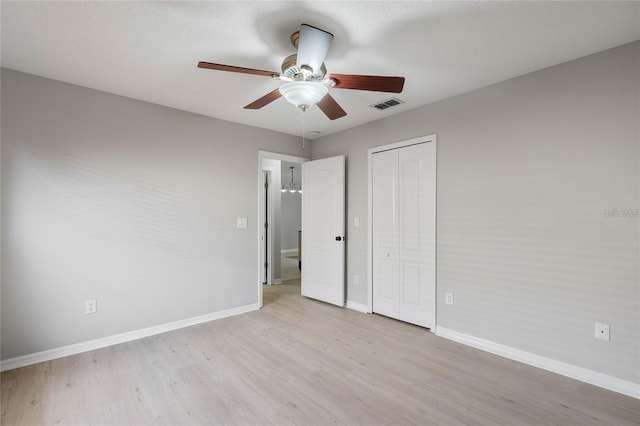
(338, 238)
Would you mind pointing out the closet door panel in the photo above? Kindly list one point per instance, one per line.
(386, 292)
(411, 283)
(410, 206)
(387, 273)
(417, 233)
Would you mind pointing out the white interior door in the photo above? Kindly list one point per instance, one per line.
(323, 215)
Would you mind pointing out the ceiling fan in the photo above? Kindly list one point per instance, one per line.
(305, 75)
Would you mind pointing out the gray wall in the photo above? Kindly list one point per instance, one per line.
(129, 203)
(525, 169)
(291, 220)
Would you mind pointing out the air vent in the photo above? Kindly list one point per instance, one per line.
(388, 104)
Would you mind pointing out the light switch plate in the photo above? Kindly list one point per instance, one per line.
(241, 223)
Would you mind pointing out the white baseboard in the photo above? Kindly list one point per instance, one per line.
(48, 355)
(579, 373)
(289, 251)
(357, 306)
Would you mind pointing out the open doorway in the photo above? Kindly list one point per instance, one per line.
(280, 193)
(291, 221)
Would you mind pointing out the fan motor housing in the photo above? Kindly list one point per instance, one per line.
(291, 70)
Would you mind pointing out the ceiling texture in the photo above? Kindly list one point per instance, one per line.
(149, 50)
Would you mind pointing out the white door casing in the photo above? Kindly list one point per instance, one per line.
(323, 230)
(272, 218)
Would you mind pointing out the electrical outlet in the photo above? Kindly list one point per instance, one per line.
(90, 306)
(448, 298)
(356, 279)
(602, 331)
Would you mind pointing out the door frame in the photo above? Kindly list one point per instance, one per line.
(401, 144)
(264, 155)
(267, 213)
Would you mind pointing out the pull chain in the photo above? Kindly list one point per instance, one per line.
(304, 113)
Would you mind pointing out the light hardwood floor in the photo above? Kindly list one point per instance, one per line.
(298, 361)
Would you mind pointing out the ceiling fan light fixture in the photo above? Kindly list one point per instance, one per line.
(303, 94)
(291, 187)
(305, 74)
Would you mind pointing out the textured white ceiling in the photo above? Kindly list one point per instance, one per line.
(149, 50)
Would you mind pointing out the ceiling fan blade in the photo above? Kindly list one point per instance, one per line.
(330, 107)
(374, 83)
(265, 100)
(313, 46)
(231, 68)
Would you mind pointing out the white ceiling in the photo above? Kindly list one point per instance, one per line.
(149, 50)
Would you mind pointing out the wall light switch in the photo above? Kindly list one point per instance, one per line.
(241, 223)
(356, 279)
(356, 222)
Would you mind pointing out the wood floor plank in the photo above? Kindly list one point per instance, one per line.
(301, 362)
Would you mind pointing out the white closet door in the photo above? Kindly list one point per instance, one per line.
(386, 291)
(416, 208)
(403, 227)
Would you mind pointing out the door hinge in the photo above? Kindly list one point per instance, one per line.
(266, 224)
(266, 184)
(266, 265)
